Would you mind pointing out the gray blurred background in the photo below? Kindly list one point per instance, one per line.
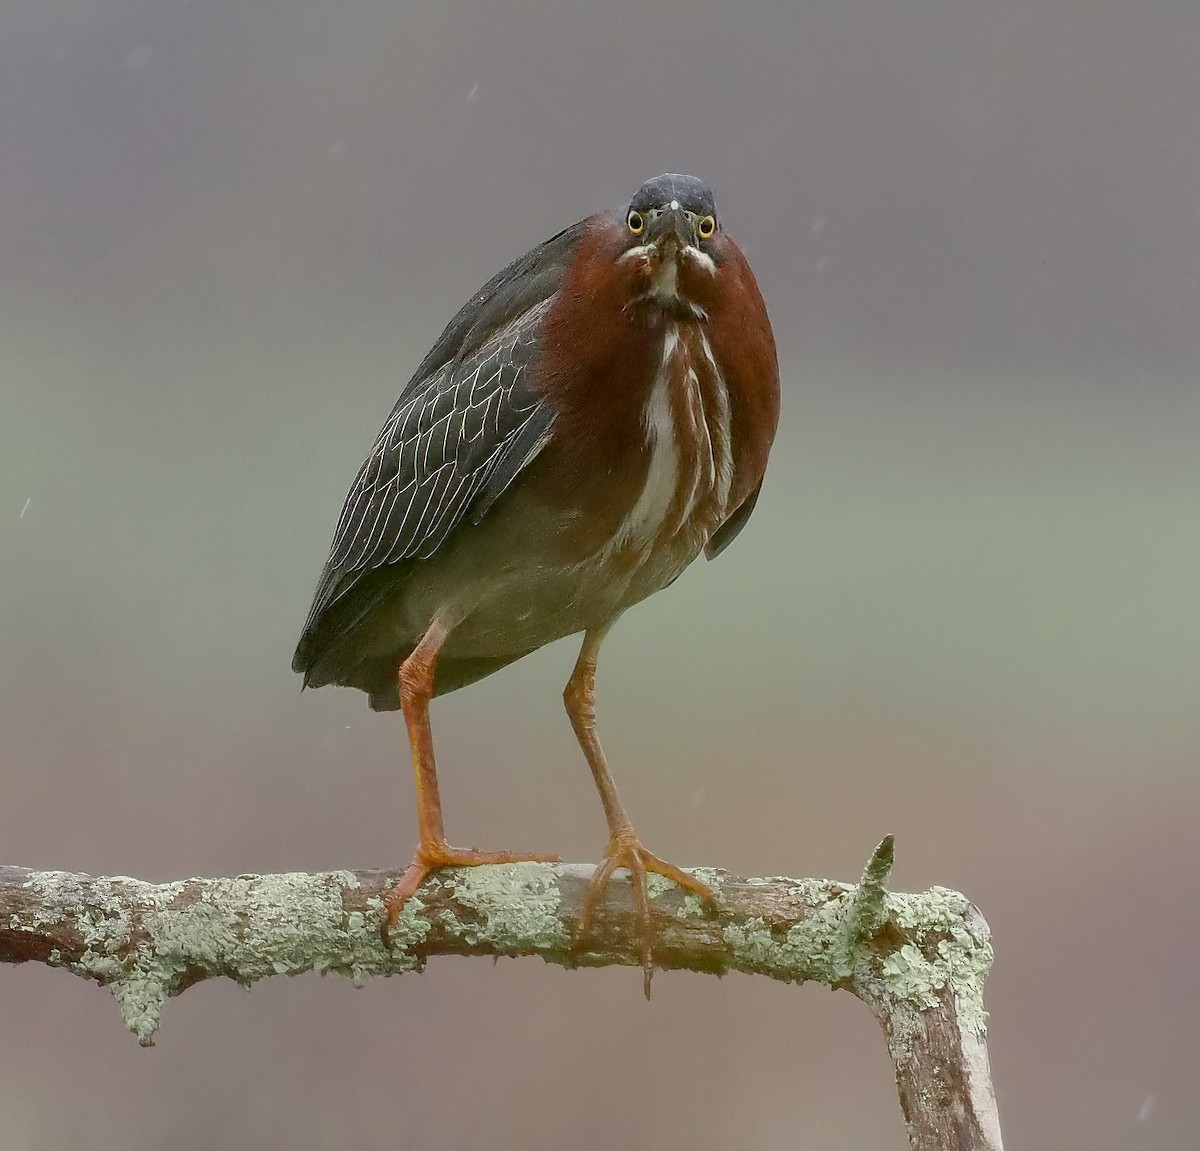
(965, 611)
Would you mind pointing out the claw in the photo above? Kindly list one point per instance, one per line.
(626, 851)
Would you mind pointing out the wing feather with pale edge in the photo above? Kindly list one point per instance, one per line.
(465, 426)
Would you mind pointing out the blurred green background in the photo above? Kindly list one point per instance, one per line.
(965, 611)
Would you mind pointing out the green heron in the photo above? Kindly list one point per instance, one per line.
(598, 414)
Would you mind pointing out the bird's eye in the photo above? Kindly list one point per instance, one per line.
(707, 227)
(635, 222)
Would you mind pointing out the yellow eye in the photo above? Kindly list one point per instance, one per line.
(635, 222)
(707, 227)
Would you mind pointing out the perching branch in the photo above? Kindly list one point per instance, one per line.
(918, 961)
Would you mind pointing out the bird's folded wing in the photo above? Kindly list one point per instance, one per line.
(448, 449)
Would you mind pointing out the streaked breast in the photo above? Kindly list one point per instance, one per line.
(687, 427)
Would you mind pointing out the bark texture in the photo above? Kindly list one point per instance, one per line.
(918, 961)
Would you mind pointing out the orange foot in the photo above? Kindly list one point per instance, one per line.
(430, 857)
(626, 851)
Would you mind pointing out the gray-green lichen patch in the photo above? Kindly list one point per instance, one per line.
(911, 976)
(97, 909)
(711, 877)
(515, 906)
(409, 930)
(815, 948)
(146, 941)
(246, 928)
(249, 928)
(960, 960)
(824, 946)
(657, 885)
(140, 1000)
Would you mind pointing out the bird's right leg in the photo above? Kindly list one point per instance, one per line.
(433, 852)
(624, 847)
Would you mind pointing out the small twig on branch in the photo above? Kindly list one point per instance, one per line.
(918, 961)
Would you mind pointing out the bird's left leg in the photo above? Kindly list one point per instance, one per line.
(433, 852)
(624, 847)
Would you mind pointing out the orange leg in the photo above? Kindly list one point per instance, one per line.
(433, 852)
(624, 848)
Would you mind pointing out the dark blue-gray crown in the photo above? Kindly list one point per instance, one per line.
(692, 194)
